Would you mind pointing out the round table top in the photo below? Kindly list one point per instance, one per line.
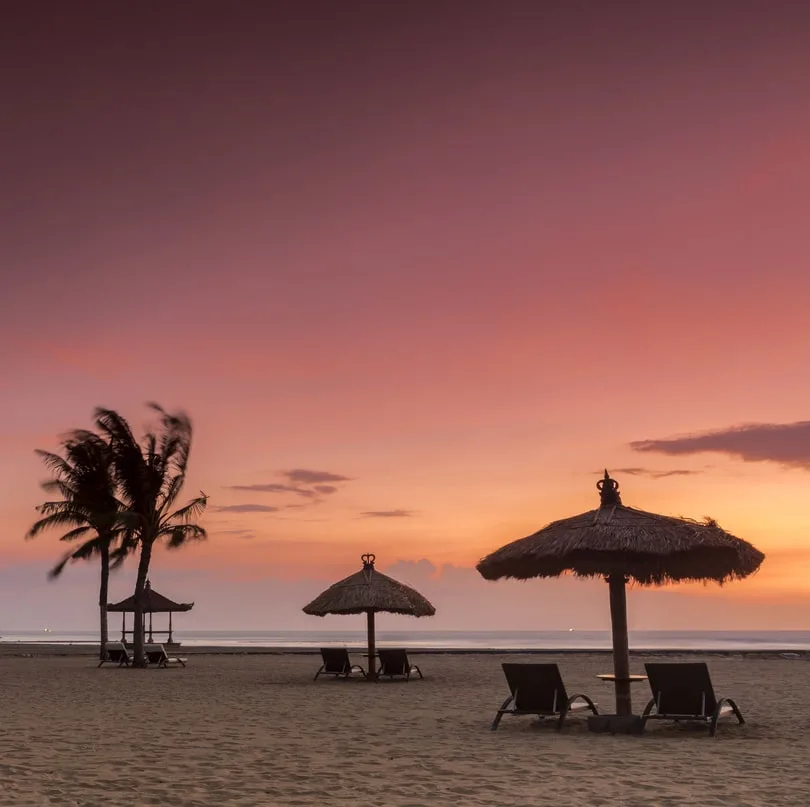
(633, 679)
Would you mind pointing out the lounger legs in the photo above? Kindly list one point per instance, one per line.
(320, 670)
(501, 713)
(645, 715)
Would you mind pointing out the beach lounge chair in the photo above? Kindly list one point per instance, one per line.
(683, 691)
(116, 653)
(538, 689)
(336, 662)
(395, 663)
(157, 656)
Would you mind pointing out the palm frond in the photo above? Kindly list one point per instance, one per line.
(65, 518)
(62, 488)
(180, 534)
(79, 532)
(55, 464)
(171, 492)
(194, 508)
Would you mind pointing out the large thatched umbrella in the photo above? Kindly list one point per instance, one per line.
(623, 544)
(370, 591)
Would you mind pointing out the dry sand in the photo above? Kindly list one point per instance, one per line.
(255, 730)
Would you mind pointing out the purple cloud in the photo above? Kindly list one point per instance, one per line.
(247, 508)
(649, 472)
(304, 476)
(275, 488)
(387, 514)
(785, 443)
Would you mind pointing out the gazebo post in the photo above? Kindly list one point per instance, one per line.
(170, 627)
(123, 626)
(150, 627)
(621, 648)
(372, 645)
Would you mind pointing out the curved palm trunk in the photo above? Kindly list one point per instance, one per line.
(102, 599)
(140, 587)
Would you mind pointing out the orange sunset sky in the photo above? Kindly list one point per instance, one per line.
(418, 271)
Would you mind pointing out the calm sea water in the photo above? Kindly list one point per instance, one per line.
(468, 640)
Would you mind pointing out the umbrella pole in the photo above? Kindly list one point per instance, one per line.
(372, 647)
(621, 648)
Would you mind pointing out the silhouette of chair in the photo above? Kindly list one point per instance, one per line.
(395, 663)
(116, 653)
(157, 656)
(336, 662)
(684, 691)
(538, 689)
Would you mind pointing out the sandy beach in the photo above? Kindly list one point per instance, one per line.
(255, 730)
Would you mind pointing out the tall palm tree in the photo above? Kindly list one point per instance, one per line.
(150, 476)
(83, 478)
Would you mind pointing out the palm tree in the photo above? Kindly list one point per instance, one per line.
(88, 506)
(150, 476)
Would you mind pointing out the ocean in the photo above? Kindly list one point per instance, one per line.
(457, 640)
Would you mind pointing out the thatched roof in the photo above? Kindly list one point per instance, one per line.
(153, 603)
(369, 590)
(615, 539)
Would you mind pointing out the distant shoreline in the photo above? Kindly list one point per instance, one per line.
(90, 649)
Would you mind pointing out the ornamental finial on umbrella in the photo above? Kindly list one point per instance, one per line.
(368, 561)
(608, 491)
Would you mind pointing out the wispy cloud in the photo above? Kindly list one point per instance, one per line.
(387, 514)
(313, 486)
(787, 444)
(653, 474)
(275, 488)
(247, 508)
(325, 490)
(304, 476)
(246, 534)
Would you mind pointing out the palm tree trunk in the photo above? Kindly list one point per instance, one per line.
(102, 598)
(140, 587)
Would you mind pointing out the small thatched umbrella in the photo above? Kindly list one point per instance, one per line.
(154, 603)
(370, 591)
(623, 544)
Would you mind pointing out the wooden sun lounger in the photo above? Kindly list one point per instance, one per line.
(395, 663)
(684, 691)
(538, 689)
(156, 656)
(336, 662)
(116, 653)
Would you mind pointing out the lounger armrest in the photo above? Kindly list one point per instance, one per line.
(721, 702)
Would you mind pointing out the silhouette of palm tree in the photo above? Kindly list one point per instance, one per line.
(150, 476)
(83, 477)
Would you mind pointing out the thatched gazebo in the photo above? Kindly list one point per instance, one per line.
(153, 603)
(370, 591)
(624, 545)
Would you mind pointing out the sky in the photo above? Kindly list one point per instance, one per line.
(418, 272)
